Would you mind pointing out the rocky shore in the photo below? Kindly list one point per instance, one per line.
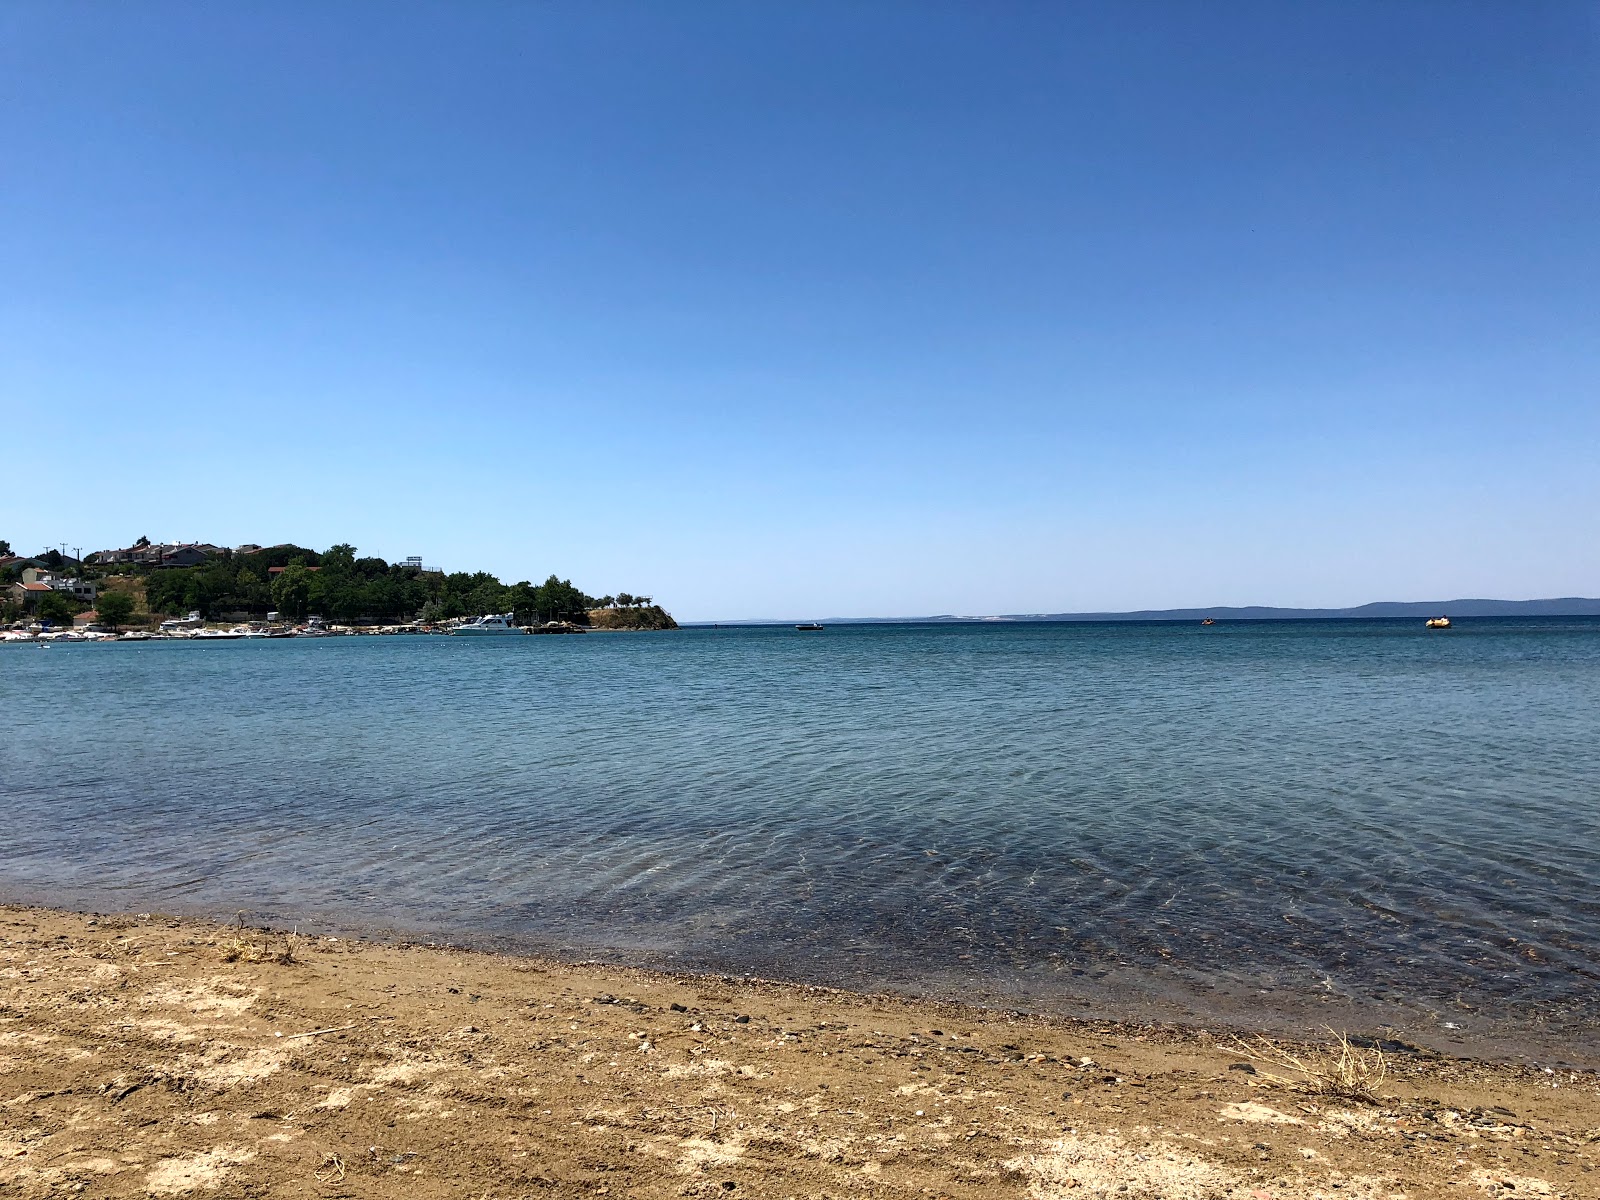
(152, 1056)
(646, 616)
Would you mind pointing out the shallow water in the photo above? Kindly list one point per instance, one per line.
(1298, 816)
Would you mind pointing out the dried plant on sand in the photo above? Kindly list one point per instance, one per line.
(239, 946)
(1341, 1069)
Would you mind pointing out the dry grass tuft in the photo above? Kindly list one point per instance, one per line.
(331, 1170)
(284, 955)
(1342, 1070)
(239, 947)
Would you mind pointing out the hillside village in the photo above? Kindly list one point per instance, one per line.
(188, 589)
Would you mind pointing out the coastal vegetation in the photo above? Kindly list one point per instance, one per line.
(632, 616)
(114, 608)
(338, 584)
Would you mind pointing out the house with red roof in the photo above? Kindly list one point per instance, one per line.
(27, 594)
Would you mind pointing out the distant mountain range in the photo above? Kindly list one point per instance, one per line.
(1566, 606)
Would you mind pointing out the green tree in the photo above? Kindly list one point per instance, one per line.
(55, 607)
(340, 557)
(5, 547)
(291, 591)
(524, 602)
(114, 608)
(558, 600)
(251, 593)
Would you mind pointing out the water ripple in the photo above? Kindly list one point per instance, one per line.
(1354, 808)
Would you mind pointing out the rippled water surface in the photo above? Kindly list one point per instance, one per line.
(1312, 812)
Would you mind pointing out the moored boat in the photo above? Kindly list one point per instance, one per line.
(490, 626)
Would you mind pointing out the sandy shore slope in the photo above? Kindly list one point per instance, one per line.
(150, 1056)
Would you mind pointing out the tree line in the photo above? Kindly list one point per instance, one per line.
(343, 587)
(340, 586)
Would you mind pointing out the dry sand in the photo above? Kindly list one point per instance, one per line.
(148, 1056)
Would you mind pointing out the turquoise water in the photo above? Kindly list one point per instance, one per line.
(1293, 816)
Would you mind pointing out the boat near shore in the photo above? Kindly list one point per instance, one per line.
(497, 625)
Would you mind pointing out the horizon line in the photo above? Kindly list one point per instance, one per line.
(1239, 612)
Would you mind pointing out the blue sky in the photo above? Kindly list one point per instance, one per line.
(817, 309)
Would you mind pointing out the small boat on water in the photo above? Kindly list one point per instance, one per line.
(1208, 621)
(1437, 623)
(498, 624)
(809, 627)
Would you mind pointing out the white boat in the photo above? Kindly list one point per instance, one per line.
(182, 626)
(314, 627)
(488, 626)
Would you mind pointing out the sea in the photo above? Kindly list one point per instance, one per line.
(1281, 825)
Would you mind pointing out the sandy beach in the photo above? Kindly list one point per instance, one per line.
(147, 1055)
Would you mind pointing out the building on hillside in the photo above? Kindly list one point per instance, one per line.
(161, 554)
(27, 594)
(86, 620)
(79, 589)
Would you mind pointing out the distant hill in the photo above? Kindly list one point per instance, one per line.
(1566, 606)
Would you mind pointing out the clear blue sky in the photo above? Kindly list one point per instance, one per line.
(817, 309)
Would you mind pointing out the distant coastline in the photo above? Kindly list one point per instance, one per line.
(1566, 606)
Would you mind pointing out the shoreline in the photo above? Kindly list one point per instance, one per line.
(156, 1055)
(1227, 1004)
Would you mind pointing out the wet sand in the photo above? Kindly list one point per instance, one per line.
(160, 1056)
